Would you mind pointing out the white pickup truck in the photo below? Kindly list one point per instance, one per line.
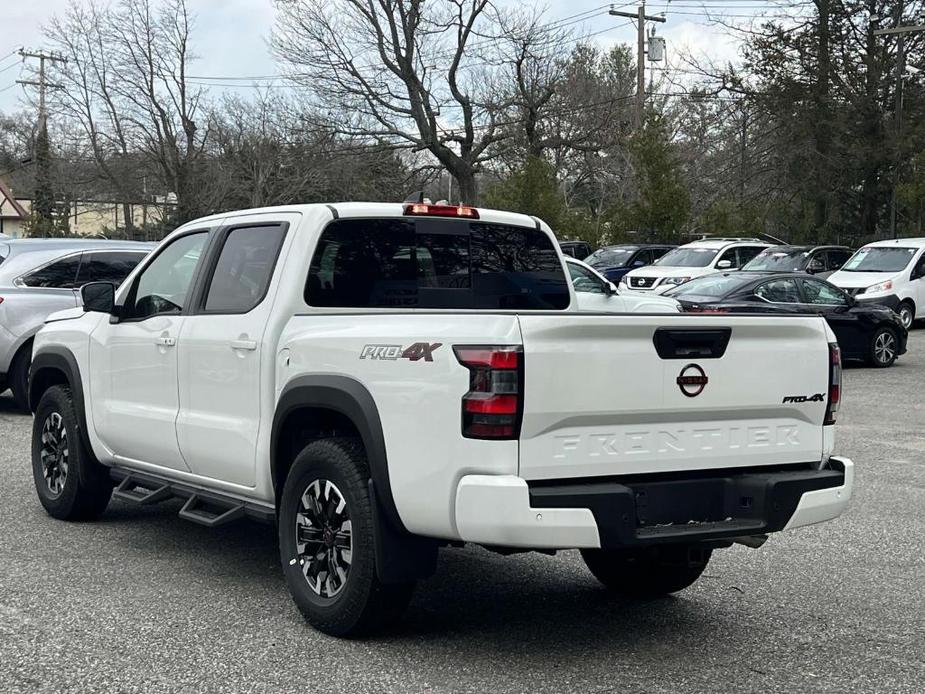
(381, 380)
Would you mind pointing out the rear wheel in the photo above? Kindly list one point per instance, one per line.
(650, 572)
(326, 542)
(19, 376)
(883, 348)
(906, 314)
(71, 484)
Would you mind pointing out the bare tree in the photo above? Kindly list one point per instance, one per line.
(420, 74)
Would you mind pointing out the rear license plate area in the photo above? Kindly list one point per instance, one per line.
(680, 503)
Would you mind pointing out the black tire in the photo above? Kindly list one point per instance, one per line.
(19, 377)
(360, 604)
(83, 492)
(883, 347)
(906, 313)
(651, 572)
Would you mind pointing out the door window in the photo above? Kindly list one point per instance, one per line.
(728, 256)
(658, 252)
(836, 259)
(61, 274)
(107, 266)
(584, 280)
(747, 253)
(782, 291)
(245, 266)
(643, 257)
(164, 285)
(821, 293)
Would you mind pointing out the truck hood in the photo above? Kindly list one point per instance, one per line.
(857, 280)
(66, 314)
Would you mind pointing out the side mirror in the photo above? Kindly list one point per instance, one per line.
(638, 263)
(815, 267)
(611, 289)
(99, 297)
(724, 265)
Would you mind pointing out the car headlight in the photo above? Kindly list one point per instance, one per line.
(675, 280)
(882, 287)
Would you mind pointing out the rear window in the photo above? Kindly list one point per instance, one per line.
(435, 263)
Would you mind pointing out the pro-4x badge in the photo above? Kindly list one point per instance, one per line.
(415, 352)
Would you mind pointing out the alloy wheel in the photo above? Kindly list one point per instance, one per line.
(885, 347)
(905, 315)
(324, 538)
(54, 454)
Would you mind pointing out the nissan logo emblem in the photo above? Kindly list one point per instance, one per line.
(692, 380)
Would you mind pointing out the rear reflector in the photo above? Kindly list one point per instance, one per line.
(831, 409)
(427, 210)
(493, 406)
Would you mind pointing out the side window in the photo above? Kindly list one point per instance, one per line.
(244, 268)
(919, 270)
(747, 253)
(821, 293)
(584, 281)
(658, 253)
(106, 266)
(836, 259)
(817, 262)
(163, 286)
(61, 274)
(779, 292)
(643, 257)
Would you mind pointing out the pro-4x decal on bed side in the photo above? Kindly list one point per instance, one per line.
(415, 352)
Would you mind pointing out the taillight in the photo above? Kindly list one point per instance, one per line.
(420, 209)
(834, 383)
(493, 406)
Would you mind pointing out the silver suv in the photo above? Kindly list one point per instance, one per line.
(41, 276)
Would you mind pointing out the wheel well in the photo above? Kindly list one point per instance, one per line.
(910, 302)
(42, 380)
(300, 427)
(23, 349)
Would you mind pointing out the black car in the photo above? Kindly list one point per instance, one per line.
(576, 249)
(615, 261)
(820, 261)
(868, 332)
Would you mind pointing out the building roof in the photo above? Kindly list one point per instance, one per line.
(9, 208)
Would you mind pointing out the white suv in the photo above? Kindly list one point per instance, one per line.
(891, 273)
(694, 260)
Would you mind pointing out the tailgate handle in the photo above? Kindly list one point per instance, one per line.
(688, 343)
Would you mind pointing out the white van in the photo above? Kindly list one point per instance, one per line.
(692, 260)
(891, 273)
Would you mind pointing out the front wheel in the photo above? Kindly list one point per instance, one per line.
(326, 542)
(650, 572)
(70, 482)
(883, 348)
(906, 314)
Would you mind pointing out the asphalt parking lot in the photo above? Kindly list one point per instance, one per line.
(142, 601)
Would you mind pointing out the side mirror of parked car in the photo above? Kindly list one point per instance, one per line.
(638, 263)
(815, 266)
(611, 289)
(724, 265)
(99, 296)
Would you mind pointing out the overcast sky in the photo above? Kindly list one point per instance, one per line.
(230, 36)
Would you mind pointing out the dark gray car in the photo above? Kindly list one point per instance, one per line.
(41, 276)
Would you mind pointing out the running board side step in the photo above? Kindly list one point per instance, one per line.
(201, 506)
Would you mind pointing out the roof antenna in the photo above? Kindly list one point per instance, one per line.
(416, 198)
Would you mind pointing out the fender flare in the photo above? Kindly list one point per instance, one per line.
(348, 397)
(58, 358)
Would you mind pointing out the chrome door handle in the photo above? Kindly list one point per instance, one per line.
(249, 345)
(166, 341)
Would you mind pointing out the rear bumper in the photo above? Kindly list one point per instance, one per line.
(644, 510)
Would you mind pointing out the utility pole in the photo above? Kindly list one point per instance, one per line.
(898, 116)
(641, 17)
(42, 82)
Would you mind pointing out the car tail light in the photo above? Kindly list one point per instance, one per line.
(420, 209)
(493, 406)
(834, 383)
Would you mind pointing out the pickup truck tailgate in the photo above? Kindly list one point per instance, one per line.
(602, 394)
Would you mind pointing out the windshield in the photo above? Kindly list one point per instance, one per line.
(609, 257)
(709, 287)
(879, 260)
(778, 261)
(688, 257)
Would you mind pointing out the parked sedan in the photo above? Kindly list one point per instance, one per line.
(820, 261)
(595, 293)
(41, 276)
(615, 261)
(867, 332)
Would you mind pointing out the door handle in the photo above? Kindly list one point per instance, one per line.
(166, 341)
(249, 345)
